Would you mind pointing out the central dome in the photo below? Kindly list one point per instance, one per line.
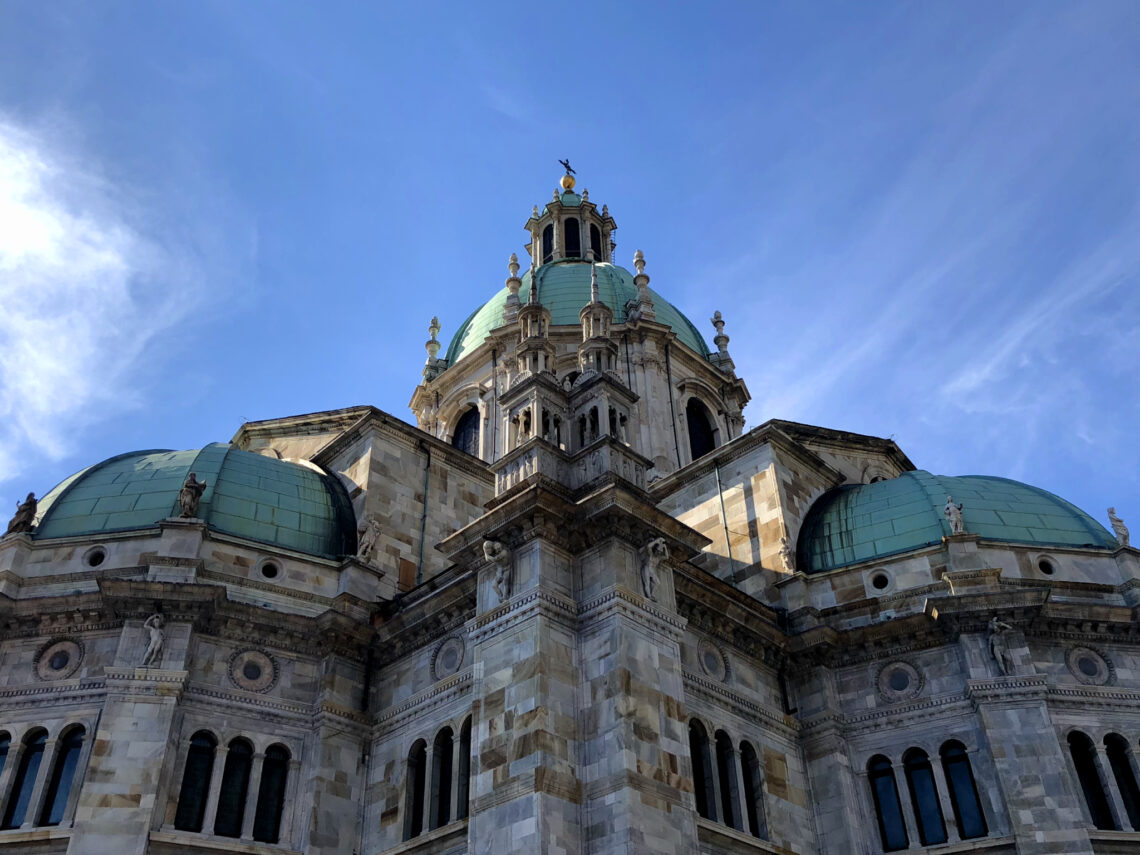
(564, 288)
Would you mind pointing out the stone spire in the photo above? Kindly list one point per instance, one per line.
(721, 359)
(434, 364)
(644, 307)
(513, 283)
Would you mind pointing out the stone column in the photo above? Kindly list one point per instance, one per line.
(944, 801)
(15, 755)
(251, 794)
(454, 794)
(210, 815)
(742, 794)
(906, 804)
(288, 815)
(431, 785)
(716, 809)
(43, 774)
(80, 775)
(1104, 769)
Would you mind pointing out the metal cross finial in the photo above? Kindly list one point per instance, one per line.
(566, 163)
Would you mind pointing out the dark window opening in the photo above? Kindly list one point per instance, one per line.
(235, 785)
(441, 779)
(463, 773)
(465, 437)
(547, 245)
(62, 777)
(702, 437)
(963, 791)
(726, 770)
(195, 783)
(572, 245)
(271, 795)
(924, 797)
(26, 773)
(1084, 759)
(702, 770)
(753, 792)
(888, 810)
(414, 802)
(596, 242)
(5, 745)
(1121, 762)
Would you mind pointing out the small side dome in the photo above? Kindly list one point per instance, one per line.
(866, 522)
(248, 495)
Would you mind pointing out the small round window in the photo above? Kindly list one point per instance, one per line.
(95, 557)
(270, 569)
(880, 581)
(1046, 566)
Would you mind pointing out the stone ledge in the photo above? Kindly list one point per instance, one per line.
(735, 841)
(190, 843)
(33, 835)
(437, 840)
(978, 844)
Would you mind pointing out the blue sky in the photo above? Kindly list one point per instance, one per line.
(920, 220)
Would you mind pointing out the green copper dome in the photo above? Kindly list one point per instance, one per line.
(564, 288)
(248, 495)
(868, 521)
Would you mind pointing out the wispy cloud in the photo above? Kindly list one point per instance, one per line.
(85, 287)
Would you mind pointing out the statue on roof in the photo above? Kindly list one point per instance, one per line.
(1118, 527)
(566, 163)
(190, 495)
(25, 516)
(953, 514)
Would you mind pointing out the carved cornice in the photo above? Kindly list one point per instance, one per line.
(623, 601)
(442, 693)
(1008, 691)
(84, 690)
(535, 602)
(748, 709)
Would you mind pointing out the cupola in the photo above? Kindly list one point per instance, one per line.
(570, 227)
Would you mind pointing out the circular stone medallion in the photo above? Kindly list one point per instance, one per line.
(712, 660)
(899, 681)
(59, 659)
(1090, 666)
(448, 658)
(253, 671)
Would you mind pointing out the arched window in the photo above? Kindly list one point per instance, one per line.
(465, 437)
(1084, 759)
(463, 773)
(62, 776)
(572, 245)
(271, 795)
(414, 797)
(885, 792)
(753, 792)
(702, 436)
(924, 797)
(195, 782)
(1119, 758)
(596, 242)
(235, 785)
(547, 245)
(5, 744)
(726, 771)
(441, 778)
(25, 782)
(702, 770)
(963, 791)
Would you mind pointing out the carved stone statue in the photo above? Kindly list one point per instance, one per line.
(999, 645)
(153, 655)
(25, 516)
(655, 554)
(369, 537)
(1118, 527)
(953, 514)
(787, 555)
(190, 495)
(499, 556)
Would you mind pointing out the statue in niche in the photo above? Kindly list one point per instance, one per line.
(1118, 527)
(25, 517)
(655, 554)
(153, 654)
(369, 537)
(190, 495)
(500, 557)
(953, 514)
(787, 556)
(999, 645)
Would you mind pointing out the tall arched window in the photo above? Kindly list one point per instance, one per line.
(414, 796)
(271, 795)
(753, 792)
(596, 242)
(463, 773)
(441, 778)
(62, 776)
(702, 435)
(547, 245)
(1119, 758)
(195, 782)
(888, 810)
(5, 744)
(726, 771)
(572, 245)
(1084, 759)
(465, 437)
(235, 785)
(702, 770)
(963, 791)
(25, 781)
(924, 797)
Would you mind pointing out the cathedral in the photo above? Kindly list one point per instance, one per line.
(576, 608)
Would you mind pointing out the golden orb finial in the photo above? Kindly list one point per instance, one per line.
(567, 181)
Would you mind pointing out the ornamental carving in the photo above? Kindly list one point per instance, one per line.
(253, 671)
(1090, 666)
(59, 659)
(448, 657)
(899, 681)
